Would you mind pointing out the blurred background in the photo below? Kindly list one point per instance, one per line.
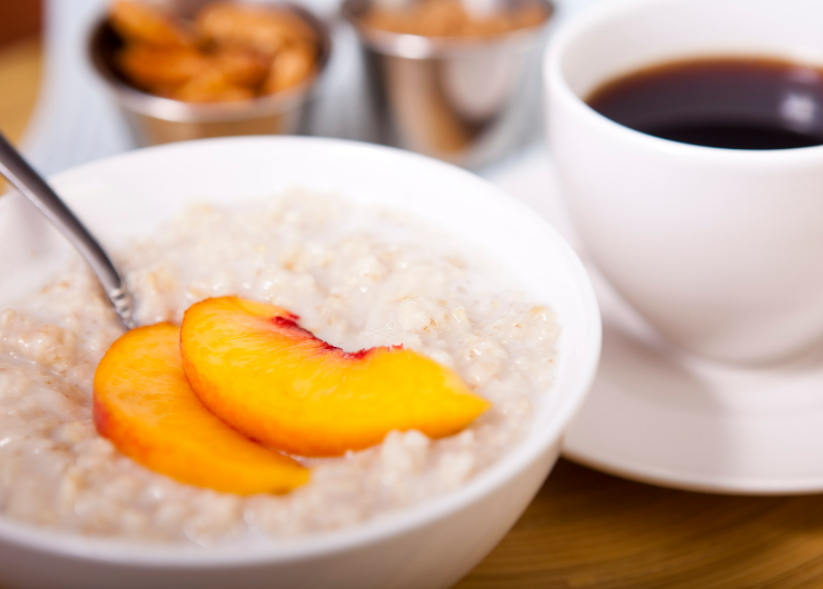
(20, 62)
(66, 117)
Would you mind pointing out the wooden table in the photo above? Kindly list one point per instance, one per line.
(587, 529)
(20, 69)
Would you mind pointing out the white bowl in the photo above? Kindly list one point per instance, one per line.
(429, 545)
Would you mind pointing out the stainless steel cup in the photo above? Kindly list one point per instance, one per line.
(154, 120)
(450, 98)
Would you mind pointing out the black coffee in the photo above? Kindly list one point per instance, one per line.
(734, 103)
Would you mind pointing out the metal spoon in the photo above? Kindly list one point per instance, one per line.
(20, 174)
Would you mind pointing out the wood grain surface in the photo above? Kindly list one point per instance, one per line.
(590, 530)
(20, 70)
(19, 19)
(586, 529)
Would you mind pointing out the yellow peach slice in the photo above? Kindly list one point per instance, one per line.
(264, 29)
(291, 66)
(253, 366)
(210, 86)
(142, 22)
(150, 67)
(144, 405)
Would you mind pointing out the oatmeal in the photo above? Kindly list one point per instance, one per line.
(357, 277)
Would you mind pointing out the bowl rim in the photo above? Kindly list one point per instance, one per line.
(312, 545)
(169, 109)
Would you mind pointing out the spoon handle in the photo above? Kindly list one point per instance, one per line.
(18, 172)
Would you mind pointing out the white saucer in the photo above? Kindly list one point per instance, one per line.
(658, 415)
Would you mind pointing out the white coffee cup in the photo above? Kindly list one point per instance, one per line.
(720, 249)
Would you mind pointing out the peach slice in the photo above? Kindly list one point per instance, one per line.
(144, 405)
(141, 22)
(253, 366)
(261, 28)
(151, 67)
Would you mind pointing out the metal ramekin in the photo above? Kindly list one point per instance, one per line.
(154, 120)
(450, 98)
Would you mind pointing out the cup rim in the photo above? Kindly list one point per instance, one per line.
(555, 86)
(169, 109)
(423, 47)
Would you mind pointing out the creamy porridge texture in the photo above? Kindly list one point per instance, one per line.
(357, 277)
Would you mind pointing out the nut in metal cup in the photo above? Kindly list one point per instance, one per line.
(154, 120)
(451, 98)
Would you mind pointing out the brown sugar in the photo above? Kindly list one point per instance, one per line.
(449, 18)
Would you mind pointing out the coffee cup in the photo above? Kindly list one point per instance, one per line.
(721, 250)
